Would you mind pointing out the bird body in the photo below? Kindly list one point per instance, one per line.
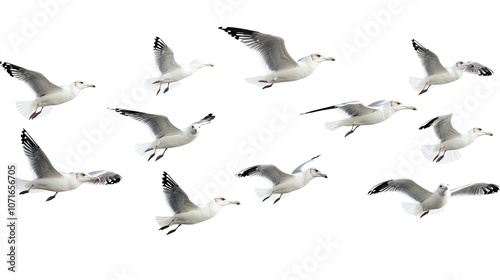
(281, 66)
(49, 179)
(360, 114)
(450, 139)
(437, 74)
(282, 183)
(185, 211)
(430, 201)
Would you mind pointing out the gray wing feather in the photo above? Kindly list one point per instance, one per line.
(176, 198)
(158, 124)
(300, 168)
(271, 48)
(475, 189)
(39, 162)
(37, 81)
(429, 60)
(105, 177)
(406, 186)
(164, 56)
(269, 171)
(444, 129)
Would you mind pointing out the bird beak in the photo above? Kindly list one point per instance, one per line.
(488, 133)
(323, 175)
(235, 202)
(210, 64)
(97, 179)
(410, 108)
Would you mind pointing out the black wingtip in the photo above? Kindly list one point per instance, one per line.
(428, 124)
(379, 187)
(491, 188)
(247, 172)
(8, 67)
(159, 44)
(322, 109)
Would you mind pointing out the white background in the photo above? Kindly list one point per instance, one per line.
(109, 232)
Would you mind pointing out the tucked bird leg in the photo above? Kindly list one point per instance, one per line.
(439, 152)
(172, 231)
(52, 197)
(164, 227)
(423, 214)
(425, 89)
(26, 191)
(168, 87)
(441, 157)
(267, 197)
(353, 128)
(158, 82)
(277, 199)
(154, 152)
(160, 156)
(35, 114)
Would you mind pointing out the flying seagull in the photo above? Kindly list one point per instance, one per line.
(49, 179)
(428, 201)
(47, 93)
(451, 140)
(360, 114)
(437, 74)
(281, 66)
(282, 183)
(170, 70)
(185, 211)
(167, 135)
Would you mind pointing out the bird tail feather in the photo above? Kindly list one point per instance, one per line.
(22, 185)
(416, 83)
(431, 151)
(26, 108)
(255, 81)
(142, 147)
(411, 208)
(163, 221)
(153, 85)
(333, 125)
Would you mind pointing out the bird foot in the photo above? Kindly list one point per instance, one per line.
(268, 86)
(423, 214)
(348, 133)
(164, 227)
(277, 199)
(440, 158)
(160, 156)
(151, 156)
(50, 198)
(172, 231)
(34, 115)
(436, 157)
(148, 150)
(24, 192)
(166, 89)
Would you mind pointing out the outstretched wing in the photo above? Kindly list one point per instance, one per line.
(158, 124)
(164, 56)
(442, 127)
(406, 186)
(353, 108)
(300, 168)
(39, 162)
(429, 60)
(478, 69)
(475, 189)
(269, 171)
(105, 177)
(176, 198)
(41, 85)
(271, 48)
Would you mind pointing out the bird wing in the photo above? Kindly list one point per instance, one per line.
(158, 124)
(300, 168)
(475, 189)
(206, 120)
(164, 56)
(271, 48)
(429, 60)
(444, 129)
(478, 69)
(269, 171)
(353, 108)
(406, 186)
(105, 177)
(176, 198)
(37, 81)
(39, 162)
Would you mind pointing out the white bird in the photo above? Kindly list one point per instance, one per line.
(185, 211)
(49, 179)
(451, 140)
(170, 70)
(360, 114)
(437, 74)
(428, 201)
(282, 183)
(281, 66)
(47, 93)
(167, 135)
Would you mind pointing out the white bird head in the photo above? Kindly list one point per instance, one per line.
(206, 120)
(320, 58)
(81, 85)
(462, 65)
(223, 202)
(84, 177)
(442, 189)
(396, 106)
(316, 173)
(479, 132)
